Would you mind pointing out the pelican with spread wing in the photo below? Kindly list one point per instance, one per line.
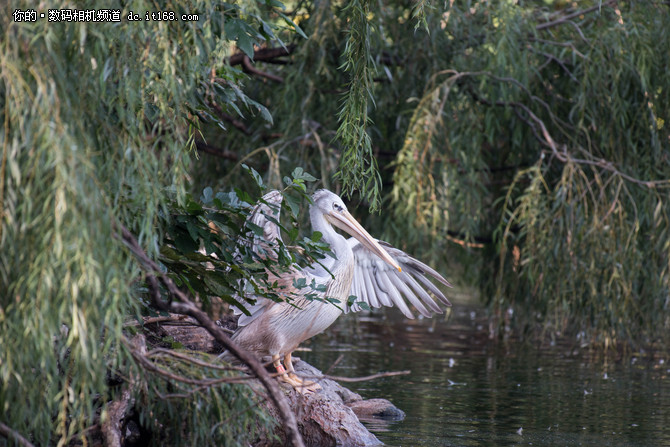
(373, 271)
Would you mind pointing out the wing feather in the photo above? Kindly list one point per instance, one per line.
(413, 299)
(379, 284)
(356, 290)
(371, 296)
(382, 296)
(422, 294)
(368, 295)
(433, 289)
(384, 282)
(415, 264)
(380, 292)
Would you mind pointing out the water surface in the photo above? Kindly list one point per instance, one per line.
(466, 391)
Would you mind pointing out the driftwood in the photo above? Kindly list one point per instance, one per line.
(332, 416)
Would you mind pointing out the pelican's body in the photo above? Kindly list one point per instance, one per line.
(361, 267)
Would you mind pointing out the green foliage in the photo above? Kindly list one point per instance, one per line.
(546, 134)
(98, 119)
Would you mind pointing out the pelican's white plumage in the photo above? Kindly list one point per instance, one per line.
(373, 271)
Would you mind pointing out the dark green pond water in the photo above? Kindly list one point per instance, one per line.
(465, 391)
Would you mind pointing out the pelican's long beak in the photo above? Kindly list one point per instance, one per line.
(346, 222)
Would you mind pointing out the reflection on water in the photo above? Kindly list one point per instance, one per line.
(464, 391)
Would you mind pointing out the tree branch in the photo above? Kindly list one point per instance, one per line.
(562, 154)
(237, 124)
(186, 307)
(269, 55)
(248, 67)
(14, 435)
(565, 157)
(212, 150)
(115, 412)
(158, 352)
(362, 379)
(568, 17)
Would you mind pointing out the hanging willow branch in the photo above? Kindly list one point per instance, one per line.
(358, 166)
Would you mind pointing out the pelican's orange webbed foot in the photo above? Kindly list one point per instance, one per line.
(301, 385)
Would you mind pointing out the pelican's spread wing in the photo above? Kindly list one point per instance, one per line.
(264, 215)
(379, 284)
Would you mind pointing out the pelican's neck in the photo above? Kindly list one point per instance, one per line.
(338, 244)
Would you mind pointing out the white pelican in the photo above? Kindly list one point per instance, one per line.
(374, 271)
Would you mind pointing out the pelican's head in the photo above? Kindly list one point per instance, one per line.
(335, 212)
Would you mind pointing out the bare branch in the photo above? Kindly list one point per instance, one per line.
(363, 379)
(269, 55)
(151, 366)
(158, 352)
(14, 435)
(248, 67)
(565, 157)
(223, 153)
(153, 320)
(337, 360)
(464, 243)
(560, 44)
(559, 152)
(579, 30)
(566, 18)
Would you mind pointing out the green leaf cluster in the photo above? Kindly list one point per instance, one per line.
(211, 247)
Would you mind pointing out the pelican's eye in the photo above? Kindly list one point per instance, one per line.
(337, 207)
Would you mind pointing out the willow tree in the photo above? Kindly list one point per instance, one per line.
(527, 141)
(548, 136)
(99, 114)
